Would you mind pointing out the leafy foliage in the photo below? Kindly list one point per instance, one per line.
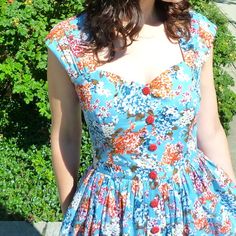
(28, 189)
(23, 58)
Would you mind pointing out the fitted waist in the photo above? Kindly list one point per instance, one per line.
(126, 167)
(133, 173)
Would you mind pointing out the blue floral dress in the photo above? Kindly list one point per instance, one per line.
(148, 175)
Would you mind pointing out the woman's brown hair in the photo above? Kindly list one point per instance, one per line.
(104, 22)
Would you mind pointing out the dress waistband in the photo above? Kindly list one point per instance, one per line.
(159, 173)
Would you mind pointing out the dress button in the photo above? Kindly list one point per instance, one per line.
(155, 229)
(153, 174)
(150, 119)
(152, 147)
(146, 90)
(154, 203)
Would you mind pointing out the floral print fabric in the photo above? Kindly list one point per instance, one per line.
(148, 176)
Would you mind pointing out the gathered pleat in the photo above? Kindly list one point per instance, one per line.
(199, 199)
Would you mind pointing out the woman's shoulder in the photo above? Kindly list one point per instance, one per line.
(68, 28)
(203, 32)
(65, 40)
(200, 21)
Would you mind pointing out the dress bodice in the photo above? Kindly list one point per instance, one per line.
(127, 119)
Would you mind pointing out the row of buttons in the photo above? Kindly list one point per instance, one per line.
(152, 174)
(154, 202)
(150, 120)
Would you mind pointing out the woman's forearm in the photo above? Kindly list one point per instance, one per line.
(65, 160)
(215, 146)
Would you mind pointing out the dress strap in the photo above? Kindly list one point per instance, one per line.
(197, 49)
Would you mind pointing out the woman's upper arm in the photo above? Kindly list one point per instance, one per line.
(208, 117)
(64, 103)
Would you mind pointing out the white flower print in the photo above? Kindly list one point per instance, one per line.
(186, 118)
(183, 76)
(191, 144)
(101, 90)
(186, 97)
(108, 129)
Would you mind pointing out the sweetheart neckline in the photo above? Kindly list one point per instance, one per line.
(183, 62)
(140, 84)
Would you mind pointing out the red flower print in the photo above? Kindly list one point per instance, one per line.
(161, 86)
(209, 196)
(173, 153)
(112, 208)
(58, 31)
(84, 95)
(206, 37)
(164, 188)
(152, 147)
(190, 57)
(76, 48)
(128, 142)
(201, 223)
(226, 227)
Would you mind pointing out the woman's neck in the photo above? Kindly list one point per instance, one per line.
(149, 12)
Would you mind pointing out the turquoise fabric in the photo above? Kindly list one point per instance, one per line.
(148, 176)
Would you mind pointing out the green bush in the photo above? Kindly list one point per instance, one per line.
(28, 184)
(29, 191)
(28, 188)
(23, 58)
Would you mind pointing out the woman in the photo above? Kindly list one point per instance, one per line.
(141, 72)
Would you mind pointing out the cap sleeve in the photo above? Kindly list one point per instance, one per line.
(206, 34)
(58, 42)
